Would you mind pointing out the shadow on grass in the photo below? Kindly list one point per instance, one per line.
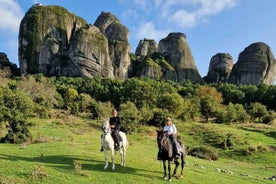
(65, 162)
(271, 134)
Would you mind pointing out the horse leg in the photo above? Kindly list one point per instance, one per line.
(106, 159)
(182, 164)
(176, 167)
(112, 158)
(123, 156)
(169, 170)
(165, 170)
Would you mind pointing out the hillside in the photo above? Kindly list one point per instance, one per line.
(63, 139)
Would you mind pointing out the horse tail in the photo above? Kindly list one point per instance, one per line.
(124, 138)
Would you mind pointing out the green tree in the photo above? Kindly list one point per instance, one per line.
(130, 117)
(258, 110)
(70, 99)
(172, 102)
(15, 107)
(209, 99)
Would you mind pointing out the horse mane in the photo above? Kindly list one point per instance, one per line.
(165, 144)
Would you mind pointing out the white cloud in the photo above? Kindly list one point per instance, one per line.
(11, 15)
(188, 13)
(148, 30)
(172, 14)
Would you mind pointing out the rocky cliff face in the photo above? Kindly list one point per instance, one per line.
(119, 48)
(177, 51)
(255, 65)
(220, 68)
(45, 33)
(54, 41)
(146, 47)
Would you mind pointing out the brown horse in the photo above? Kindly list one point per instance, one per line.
(166, 153)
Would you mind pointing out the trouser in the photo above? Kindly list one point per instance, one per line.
(115, 135)
(176, 145)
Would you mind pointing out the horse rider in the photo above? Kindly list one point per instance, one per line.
(171, 131)
(115, 125)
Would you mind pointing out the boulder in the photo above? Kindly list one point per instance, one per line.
(255, 65)
(220, 68)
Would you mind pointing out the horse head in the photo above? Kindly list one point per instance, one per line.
(105, 126)
(160, 135)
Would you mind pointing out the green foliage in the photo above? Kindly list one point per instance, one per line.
(172, 102)
(258, 110)
(190, 109)
(130, 117)
(15, 107)
(70, 97)
(158, 118)
(210, 100)
(104, 109)
(42, 91)
(233, 113)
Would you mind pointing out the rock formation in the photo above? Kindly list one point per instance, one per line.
(7, 69)
(119, 48)
(177, 51)
(53, 41)
(220, 68)
(146, 47)
(45, 33)
(255, 65)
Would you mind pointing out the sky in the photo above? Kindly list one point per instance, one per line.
(211, 26)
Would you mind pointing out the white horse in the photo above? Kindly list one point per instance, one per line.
(108, 144)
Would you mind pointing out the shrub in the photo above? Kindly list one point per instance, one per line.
(15, 107)
(172, 102)
(204, 153)
(158, 118)
(130, 117)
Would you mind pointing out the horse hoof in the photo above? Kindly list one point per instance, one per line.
(166, 179)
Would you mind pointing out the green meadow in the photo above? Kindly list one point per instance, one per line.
(66, 150)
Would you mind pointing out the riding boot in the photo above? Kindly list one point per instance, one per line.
(102, 149)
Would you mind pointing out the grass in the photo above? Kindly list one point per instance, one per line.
(67, 151)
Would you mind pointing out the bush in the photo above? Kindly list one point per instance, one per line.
(15, 107)
(129, 115)
(204, 153)
(172, 102)
(158, 118)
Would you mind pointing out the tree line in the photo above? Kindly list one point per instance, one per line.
(140, 101)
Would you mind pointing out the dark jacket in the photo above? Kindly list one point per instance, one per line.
(115, 121)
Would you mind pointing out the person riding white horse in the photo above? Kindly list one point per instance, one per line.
(108, 143)
(115, 125)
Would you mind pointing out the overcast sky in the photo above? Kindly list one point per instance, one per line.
(211, 26)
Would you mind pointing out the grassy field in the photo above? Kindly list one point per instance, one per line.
(66, 150)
